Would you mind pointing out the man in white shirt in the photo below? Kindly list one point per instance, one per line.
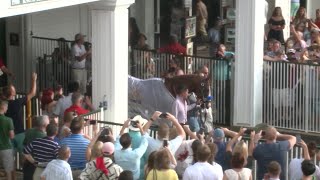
(202, 169)
(65, 102)
(78, 66)
(59, 168)
(310, 151)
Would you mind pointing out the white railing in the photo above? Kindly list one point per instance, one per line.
(291, 96)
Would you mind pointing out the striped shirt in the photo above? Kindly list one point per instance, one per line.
(43, 150)
(78, 146)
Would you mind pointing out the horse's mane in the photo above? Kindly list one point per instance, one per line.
(186, 76)
(192, 81)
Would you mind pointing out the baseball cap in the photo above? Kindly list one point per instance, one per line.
(108, 148)
(78, 36)
(218, 134)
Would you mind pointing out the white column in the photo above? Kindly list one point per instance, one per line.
(110, 57)
(249, 62)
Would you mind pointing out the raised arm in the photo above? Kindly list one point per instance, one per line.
(93, 141)
(304, 146)
(125, 126)
(295, 33)
(228, 132)
(33, 89)
(171, 156)
(235, 139)
(254, 140)
(82, 57)
(285, 137)
(154, 117)
(175, 122)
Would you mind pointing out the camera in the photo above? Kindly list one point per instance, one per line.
(201, 131)
(248, 131)
(134, 124)
(165, 143)
(163, 115)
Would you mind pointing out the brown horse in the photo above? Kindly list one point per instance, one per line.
(195, 83)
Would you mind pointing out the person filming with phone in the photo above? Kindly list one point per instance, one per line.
(274, 149)
(163, 133)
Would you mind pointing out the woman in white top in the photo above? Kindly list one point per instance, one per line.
(238, 162)
(238, 172)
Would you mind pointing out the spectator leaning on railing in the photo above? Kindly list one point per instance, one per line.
(76, 107)
(271, 150)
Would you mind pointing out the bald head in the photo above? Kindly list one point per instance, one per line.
(271, 133)
(205, 71)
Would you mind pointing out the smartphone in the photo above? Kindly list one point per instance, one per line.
(134, 123)
(93, 122)
(298, 136)
(201, 131)
(165, 143)
(163, 115)
(248, 131)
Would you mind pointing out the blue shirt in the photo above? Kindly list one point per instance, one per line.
(135, 139)
(222, 69)
(221, 154)
(78, 147)
(265, 153)
(129, 159)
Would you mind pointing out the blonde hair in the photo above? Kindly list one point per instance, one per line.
(241, 148)
(97, 150)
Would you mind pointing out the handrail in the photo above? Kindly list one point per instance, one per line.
(182, 55)
(298, 63)
(52, 39)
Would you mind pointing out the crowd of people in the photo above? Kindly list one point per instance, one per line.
(59, 149)
(302, 46)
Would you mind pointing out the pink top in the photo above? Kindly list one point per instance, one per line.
(180, 109)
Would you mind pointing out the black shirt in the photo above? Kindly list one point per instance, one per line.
(15, 112)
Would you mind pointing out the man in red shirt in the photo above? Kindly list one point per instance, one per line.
(174, 47)
(4, 69)
(77, 100)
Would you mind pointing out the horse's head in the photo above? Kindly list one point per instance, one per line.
(197, 84)
(204, 88)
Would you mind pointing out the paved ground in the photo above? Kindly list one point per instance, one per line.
(18, 174)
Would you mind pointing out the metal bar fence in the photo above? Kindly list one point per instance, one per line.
(149, 64)
(291, 98)
(53, 59)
